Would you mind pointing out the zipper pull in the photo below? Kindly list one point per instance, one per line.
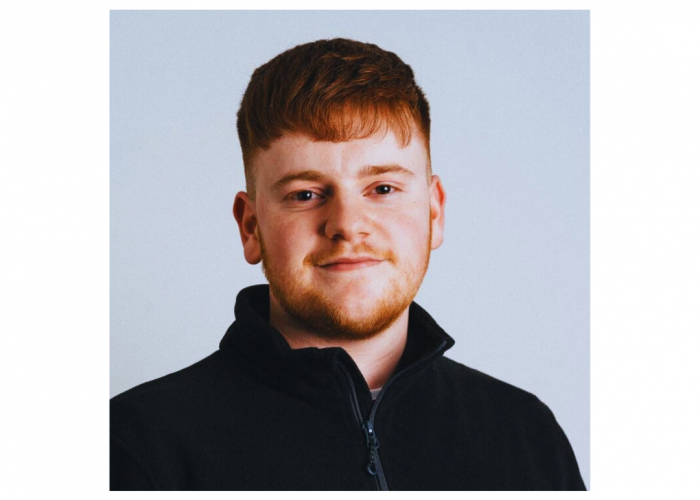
(372, 441)
(372, 444)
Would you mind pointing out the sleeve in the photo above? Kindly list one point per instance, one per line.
(570, 476)
(126, 472)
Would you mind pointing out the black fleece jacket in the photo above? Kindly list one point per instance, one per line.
(258, 415)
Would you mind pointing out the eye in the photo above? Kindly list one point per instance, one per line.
(384, 189)
(305, 195)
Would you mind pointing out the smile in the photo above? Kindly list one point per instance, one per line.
(350, 264)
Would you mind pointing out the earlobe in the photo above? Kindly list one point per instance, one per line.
(437, 212)
(244, 213)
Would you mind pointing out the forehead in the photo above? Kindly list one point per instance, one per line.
(293, 153)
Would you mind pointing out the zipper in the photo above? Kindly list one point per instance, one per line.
(374, 466)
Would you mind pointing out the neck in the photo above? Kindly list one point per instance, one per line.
(376, 357)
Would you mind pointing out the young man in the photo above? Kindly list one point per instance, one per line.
(332, 378)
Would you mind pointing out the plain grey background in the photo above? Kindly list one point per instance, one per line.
(509, 96)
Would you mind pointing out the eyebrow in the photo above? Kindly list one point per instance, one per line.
(306, 175)
(374, 170)
(367, 171)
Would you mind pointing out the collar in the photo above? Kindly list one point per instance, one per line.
(263, 349)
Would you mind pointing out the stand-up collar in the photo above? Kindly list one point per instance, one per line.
(252, 337)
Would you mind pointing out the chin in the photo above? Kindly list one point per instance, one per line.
(355, 296)
(362, 287)
(355, 324)
(356, 305)
(351, 316)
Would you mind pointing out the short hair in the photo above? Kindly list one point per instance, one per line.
(331, 90)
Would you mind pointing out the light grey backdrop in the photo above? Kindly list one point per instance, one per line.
(509, 94)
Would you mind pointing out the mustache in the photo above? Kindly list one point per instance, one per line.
(323, 257)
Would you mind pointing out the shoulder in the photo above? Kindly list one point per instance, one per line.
(171, 401)
(176, 385)
(152, 421)
(149, 421)
(458, 377)
(485, 397)
(507, 418)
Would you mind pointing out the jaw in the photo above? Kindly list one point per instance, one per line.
(354, 304)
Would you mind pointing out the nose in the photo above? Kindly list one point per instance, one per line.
(346, 219)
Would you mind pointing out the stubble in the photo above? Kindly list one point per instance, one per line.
(315, 309)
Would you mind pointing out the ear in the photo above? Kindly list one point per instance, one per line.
(244, 213)
(437, 212)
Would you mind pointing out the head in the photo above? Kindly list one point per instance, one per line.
(330, 90)
(341, 204)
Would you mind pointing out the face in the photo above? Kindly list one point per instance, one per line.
(344, 229)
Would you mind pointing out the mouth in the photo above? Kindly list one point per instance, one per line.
(351, 264)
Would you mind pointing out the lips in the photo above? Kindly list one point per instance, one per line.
(351, 263)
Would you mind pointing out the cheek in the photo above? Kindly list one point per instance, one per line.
(286, 243)
(409, 237)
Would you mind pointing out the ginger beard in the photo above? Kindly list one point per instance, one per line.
(314, 309)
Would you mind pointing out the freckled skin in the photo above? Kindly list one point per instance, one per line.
(389, 220)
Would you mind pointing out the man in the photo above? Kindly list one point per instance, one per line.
(332, 378)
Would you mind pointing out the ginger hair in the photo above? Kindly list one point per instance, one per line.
(330, 90)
